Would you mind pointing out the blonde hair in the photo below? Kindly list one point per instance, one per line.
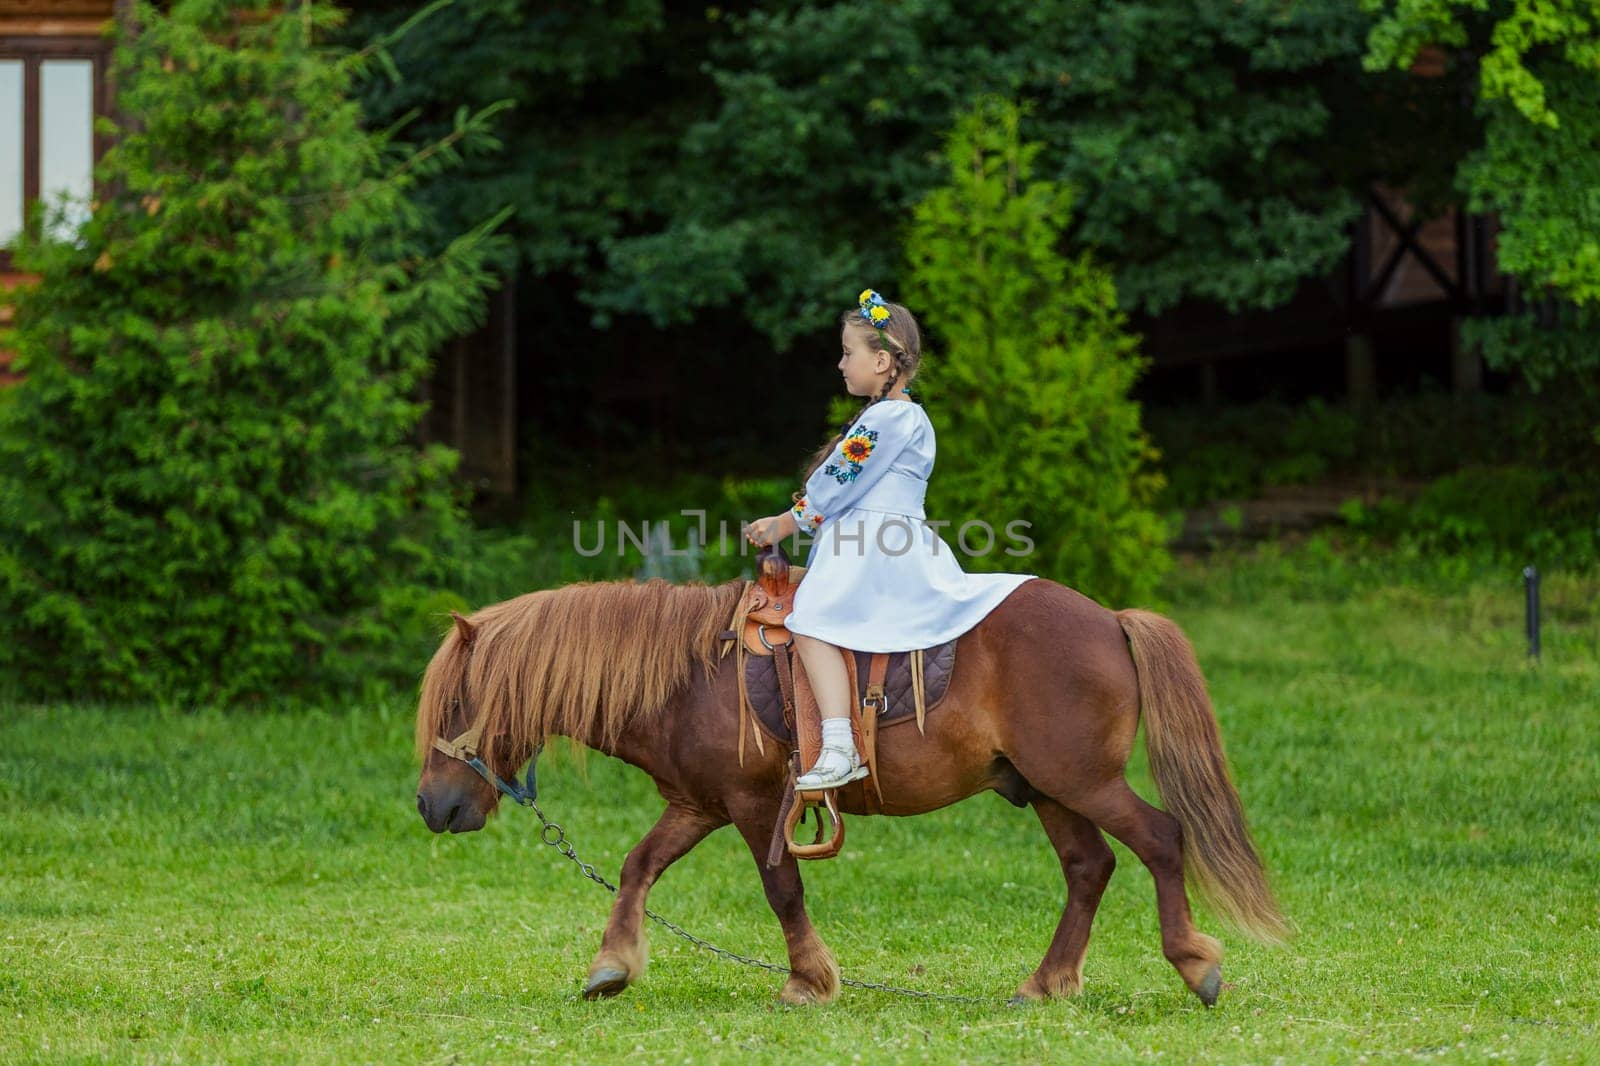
(902, 339)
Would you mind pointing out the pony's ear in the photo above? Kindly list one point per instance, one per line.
(466, 629)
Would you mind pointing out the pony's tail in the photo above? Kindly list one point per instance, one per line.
(1191, 772)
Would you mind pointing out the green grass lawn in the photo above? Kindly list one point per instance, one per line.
(257, 886)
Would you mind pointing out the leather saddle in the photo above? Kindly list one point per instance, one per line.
(775, 699)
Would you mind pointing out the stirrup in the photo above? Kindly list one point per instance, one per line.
(814, 780)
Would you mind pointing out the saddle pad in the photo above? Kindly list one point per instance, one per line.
(938, 664)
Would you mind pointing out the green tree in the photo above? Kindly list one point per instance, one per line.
(209, 482)
(1537, 92)
(1032, 371)
(602, 91)
(1196, 135)
(690, 161)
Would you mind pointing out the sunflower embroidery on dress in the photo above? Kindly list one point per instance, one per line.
(799, 510)
(854, 449)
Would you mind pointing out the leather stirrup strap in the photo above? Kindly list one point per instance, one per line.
(780, 845)
(872, 705)
(780, 661)
(917, 689)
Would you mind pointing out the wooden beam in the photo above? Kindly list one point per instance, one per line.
(56, 18)
(1466, 363)
(60, 7)
(1407, 234)
(1360, 371)
(11, 26)
(1430, 62)
(504, 320)
(30, 129)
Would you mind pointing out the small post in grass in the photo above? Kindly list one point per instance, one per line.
(1530, 581)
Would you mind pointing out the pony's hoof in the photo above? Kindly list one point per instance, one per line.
(1210, 986)
(1018, 1001)
(799, 994)
(606, 982)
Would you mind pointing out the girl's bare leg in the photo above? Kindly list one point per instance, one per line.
(825, 670)
(838, 763)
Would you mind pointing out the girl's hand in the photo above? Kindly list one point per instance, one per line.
(765, 531)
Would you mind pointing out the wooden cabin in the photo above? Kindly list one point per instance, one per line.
(1388, 316)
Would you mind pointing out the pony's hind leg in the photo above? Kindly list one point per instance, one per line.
(1154, 836)
(813, 972)
(623, 948)
(1087, 862)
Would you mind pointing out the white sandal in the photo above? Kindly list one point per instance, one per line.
(834, 767)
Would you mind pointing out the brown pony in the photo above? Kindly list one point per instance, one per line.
(1042, 709)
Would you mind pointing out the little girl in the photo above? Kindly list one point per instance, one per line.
(879, 579)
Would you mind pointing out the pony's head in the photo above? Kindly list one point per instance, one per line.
(450, 729)
(586, 661)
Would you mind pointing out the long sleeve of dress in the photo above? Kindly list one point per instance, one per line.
(859, 461)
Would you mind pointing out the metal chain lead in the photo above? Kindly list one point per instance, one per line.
(552, 834)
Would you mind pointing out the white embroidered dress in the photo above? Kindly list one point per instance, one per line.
(879, 578)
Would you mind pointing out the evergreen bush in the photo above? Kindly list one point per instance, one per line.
(1030, 384)
(210, 486)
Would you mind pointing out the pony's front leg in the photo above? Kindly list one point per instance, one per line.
(623, 948)
(813, 973)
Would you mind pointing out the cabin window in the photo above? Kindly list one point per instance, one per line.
(10, 149)
(66, 138)
(51, 90)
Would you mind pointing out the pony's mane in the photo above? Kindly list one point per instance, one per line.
(583, 660)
